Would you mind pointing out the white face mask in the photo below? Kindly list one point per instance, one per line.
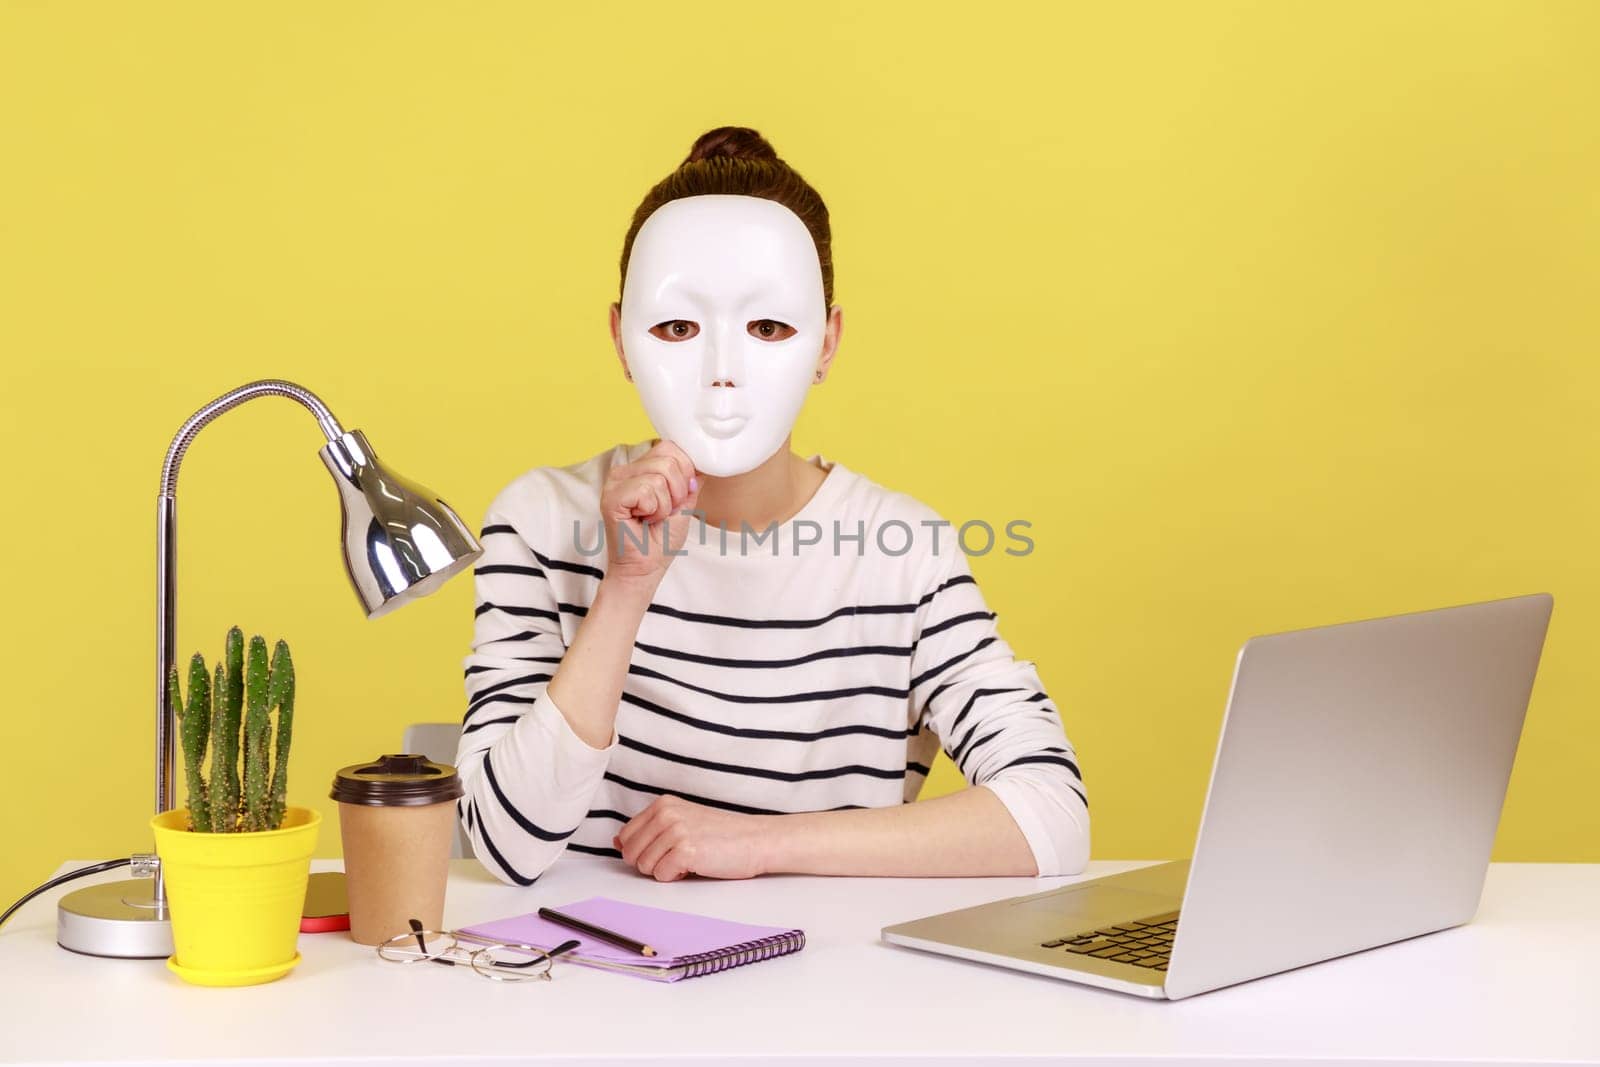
(722, 323)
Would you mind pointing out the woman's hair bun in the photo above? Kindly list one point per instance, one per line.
(738, 161)
(731, 142)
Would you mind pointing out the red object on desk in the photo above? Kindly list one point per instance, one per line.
(326, 909)
(324, 924)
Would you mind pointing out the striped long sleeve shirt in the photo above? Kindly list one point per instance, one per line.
(819, 664)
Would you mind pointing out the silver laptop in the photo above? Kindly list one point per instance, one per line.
(1353, 802)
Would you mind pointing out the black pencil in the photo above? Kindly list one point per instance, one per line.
(596, 931)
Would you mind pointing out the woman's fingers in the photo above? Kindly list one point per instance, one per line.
(670, 471)
(632, 500)
(673, 454)
(682, 520)
(653, 852)
(628, 838)
(673, 865)
(645, 497)
(661, 495)
(676, 477)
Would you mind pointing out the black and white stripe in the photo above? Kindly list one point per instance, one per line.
(758, 685)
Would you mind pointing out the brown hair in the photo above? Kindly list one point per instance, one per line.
(737, 160)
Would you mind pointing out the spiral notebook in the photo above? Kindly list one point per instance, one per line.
(688, 945)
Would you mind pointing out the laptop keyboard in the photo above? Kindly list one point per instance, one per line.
(1143, 942)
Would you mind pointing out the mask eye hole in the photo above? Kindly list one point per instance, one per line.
(771, 330)
(675, 329)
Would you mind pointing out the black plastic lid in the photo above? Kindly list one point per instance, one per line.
(396, 781)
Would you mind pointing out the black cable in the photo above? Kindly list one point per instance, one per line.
(108, 865)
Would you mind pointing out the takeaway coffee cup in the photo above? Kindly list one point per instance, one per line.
(397, 817)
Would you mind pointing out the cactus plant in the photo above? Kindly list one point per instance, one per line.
(257, 736)
(280, 694)
(224, 781)
(193, 732)
(254, 689)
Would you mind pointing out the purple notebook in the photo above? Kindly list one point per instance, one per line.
(688, 945)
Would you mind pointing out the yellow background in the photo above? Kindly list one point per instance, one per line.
(1265, 315)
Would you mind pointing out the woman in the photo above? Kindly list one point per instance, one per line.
(707, 655)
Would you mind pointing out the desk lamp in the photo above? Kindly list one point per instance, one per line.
(401, 542)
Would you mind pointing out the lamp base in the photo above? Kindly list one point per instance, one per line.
(121, 920)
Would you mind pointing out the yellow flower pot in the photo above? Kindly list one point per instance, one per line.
(235, 899)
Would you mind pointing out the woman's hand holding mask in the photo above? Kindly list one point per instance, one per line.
(638, 502)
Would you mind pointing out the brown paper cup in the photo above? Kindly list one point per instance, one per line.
(396, 863)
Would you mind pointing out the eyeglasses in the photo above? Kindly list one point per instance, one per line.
(501, 961)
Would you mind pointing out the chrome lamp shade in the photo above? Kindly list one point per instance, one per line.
(400, 540)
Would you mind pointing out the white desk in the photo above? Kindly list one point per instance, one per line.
(1516, 985)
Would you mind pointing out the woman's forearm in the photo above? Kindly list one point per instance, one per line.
(962, 834)
(587, 686)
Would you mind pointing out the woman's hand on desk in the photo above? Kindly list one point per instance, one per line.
(966, 833)
(674, 837)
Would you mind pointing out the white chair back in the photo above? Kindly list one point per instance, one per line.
(438, 742)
